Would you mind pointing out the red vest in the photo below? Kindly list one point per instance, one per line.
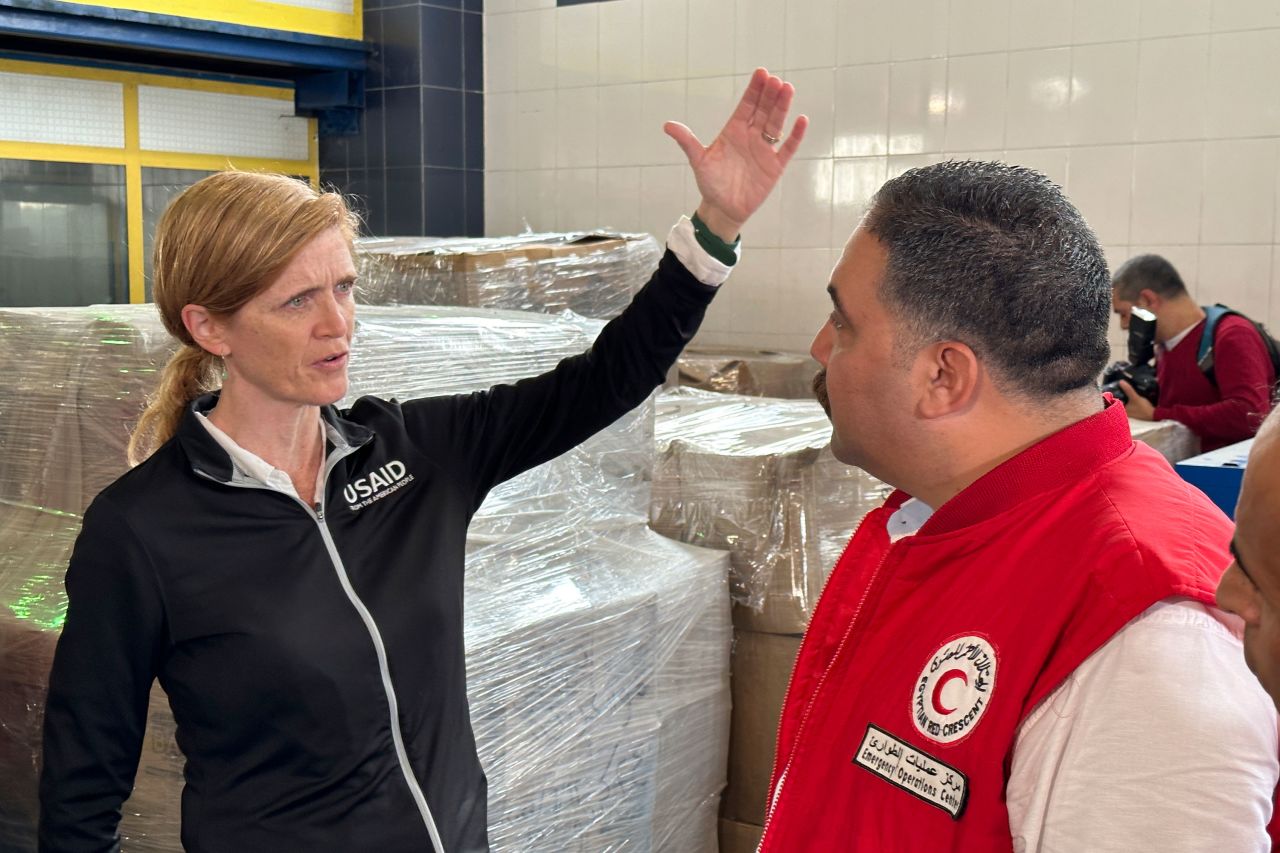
(925, 655)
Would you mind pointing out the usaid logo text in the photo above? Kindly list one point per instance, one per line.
(388, 479)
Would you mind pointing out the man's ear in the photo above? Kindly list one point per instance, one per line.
(205, 329)
(950, 374)
(1149, 299)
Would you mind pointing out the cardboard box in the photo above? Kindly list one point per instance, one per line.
(761, 673)
(755, 476)
(151, 813)
(1174, 441)
(591, 274)
(687, 794)
(754, 373)
(33, 546)
(738, 837)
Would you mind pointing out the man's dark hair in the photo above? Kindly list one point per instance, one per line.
(994, 256)
(1147, 272)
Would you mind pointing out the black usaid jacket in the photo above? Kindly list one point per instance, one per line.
(313, 656)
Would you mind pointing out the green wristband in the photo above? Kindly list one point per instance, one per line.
(725, 253)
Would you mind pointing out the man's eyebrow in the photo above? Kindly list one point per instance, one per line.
(835, 299)
(1235, 552)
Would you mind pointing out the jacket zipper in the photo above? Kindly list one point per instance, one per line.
(384, 670)
(777, 793)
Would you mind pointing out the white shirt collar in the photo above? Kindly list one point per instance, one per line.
(1178, 338)
(259, 470)
(908, 519)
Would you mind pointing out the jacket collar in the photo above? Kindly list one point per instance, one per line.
(1068, 456)
(209, 458)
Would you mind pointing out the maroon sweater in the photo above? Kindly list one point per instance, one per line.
(1232, 411)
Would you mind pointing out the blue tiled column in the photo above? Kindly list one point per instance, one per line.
(418, 163)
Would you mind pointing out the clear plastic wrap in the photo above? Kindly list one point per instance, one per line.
(33, 550)
(755, 373)
(599, 695)
(590, 274)
(597, 650)
(72, 383)
(408, 352)
(34, 547)
(755, 475)
(1175, 441)
(74, 380)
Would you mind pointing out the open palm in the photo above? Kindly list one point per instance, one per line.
(736, 173)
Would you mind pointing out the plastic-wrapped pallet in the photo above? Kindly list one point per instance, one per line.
(1175, 441)
(755, 373)
(574, 607)
(73, 381)
(593, 275)
(406, 352)
(755, 476)
(597, 668)
(34, 547)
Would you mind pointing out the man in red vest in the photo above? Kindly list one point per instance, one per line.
(1222, 404)
(1019, 650)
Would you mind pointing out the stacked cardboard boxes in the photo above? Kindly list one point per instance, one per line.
(756, 477)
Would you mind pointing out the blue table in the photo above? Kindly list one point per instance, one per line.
(1218, 473)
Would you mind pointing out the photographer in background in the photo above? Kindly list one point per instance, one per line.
(1221, 392)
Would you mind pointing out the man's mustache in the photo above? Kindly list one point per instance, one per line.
(820, 390)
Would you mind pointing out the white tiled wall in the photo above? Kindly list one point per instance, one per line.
(1161, 118)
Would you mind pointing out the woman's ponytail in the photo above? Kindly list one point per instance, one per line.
(189, 373)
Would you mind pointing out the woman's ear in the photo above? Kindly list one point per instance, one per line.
(206, 330)
(951, 374)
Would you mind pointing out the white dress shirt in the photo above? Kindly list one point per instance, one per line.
(1162, 740)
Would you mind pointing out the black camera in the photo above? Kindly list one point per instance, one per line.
(1138, 371)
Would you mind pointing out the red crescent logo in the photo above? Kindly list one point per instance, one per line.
(942, 682)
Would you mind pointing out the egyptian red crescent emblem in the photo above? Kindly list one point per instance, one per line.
(954, 689)
(947, 678)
